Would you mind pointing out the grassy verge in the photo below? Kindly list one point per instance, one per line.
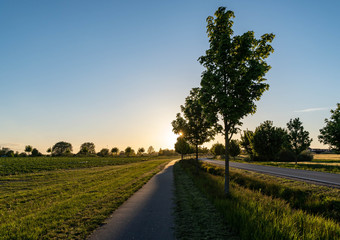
(67, 204)
(12, 166)
(255, 215)
(314, 199)
(195, 216)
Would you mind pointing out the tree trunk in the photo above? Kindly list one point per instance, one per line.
(197, 158)
(226, 172)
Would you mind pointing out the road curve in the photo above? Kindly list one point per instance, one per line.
(322, 178)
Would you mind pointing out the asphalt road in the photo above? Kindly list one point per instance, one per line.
(145, 215)
(322, 178)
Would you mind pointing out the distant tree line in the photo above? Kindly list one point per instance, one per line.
(63, 148)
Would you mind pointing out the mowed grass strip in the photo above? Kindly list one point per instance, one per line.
(195, 216)
(67, 204)
(254, 215)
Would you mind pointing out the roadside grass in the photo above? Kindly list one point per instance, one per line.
(322, 163)
(321, 200)
(19, 165)
(195, 216)
(67, 204)
(254, 215)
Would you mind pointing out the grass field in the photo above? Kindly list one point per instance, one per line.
(263, 213)
(12, 166)
(67, 203)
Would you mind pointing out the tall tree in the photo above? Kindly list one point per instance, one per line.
(298, 138)
(234, 76)
(330, 134)
(195, 126)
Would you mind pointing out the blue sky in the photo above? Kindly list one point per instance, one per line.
(115, 72)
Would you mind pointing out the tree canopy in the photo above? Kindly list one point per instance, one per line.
(61, 148)
(330, 134)
(195, 127)
(235, 75)
(87, 148)
(268, 141)
(182, 147)
(298, 138)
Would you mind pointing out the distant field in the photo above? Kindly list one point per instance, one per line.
(69, 200)
(12, 166)
(331, 157)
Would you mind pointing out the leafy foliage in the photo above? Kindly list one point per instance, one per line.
(114, 150)
(87, 148)
(298, 138)
(246, 141)
(268, 141)
(195, 126)
(234, 76)
(217, 149)
(330, 134)
(235, 149)
(61, 149)
(182, 147)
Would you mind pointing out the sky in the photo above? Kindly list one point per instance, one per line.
(116, 72)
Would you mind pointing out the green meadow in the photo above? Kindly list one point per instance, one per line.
(66, 198)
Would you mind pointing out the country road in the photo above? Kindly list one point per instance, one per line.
(321, 178)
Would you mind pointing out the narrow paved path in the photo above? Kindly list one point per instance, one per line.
(146, 215)
(322, 178)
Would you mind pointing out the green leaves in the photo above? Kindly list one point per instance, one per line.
(330, 134)
(235, 69)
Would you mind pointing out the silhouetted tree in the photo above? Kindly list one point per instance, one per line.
(234, 76)
(28, 149)
(298, 138)
(151, 150)
(182, 147)
(141, 151)
(195, 126)
(268, 141)
(330, 134)
(104, 152)
(115, 151)
(217, 149)
(128, 151)
(61, 148)
(35, 153)
(87, 148)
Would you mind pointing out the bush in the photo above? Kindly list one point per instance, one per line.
(305, 156)
(286, 156)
